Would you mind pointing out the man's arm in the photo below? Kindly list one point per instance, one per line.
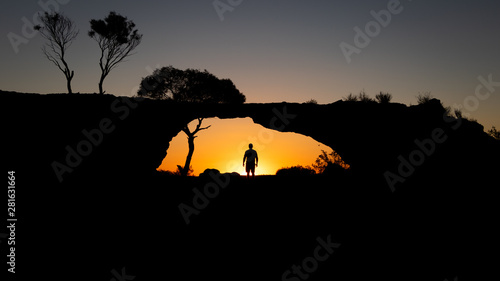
(244, 158)
(256, 159)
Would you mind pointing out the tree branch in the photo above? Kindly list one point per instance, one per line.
(199, 125)
(59, 31)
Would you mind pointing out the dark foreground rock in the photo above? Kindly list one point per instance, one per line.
(419, 204)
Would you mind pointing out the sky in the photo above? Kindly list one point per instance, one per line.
(216, 149)
(279, 50)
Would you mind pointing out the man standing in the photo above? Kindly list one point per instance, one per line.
(252, 160)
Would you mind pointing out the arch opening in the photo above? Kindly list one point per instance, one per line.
(223, 145)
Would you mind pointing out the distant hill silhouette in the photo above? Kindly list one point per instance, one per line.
(112, 209)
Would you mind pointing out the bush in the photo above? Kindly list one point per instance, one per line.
(459, 115)
(383, 97)
(311, 101)
(332, 169)
(494, 133)
(424, 98)
(350, 97)
(177, 172)
(447, 111)
(328, 162)
(296, 171)
(363, 97)
(168, 173)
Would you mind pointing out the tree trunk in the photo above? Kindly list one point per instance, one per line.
(191, 136)
(67, 73)
(68, 83)
(101, 81)
(185, 170)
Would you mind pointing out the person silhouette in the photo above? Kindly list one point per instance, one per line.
(252, 160)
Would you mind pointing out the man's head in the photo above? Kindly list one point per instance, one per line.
(250, 146)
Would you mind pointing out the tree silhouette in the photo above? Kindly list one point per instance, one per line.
(59, 31)
(117, 38)
(191, 136)
(190, 85)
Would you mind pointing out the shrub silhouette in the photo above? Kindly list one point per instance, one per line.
(177, 172)
(494, 133)
(326, 163)
(168, 173)
(458, 113)
(424, 98)
(383, 97)
(311, 101)
(363, 97)
(351, 97)
(296, 171)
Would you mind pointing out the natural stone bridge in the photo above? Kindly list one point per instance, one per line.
(126, 131)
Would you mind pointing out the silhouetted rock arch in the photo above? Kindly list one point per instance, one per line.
(369, 136)
(114, 189)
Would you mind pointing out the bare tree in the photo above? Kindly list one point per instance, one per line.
(117, 38)
(59, 31)
(191, 136)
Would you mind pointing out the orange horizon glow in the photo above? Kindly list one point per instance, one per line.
(222, 147)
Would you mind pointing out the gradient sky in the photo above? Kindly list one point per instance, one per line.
(215, 148)
(279, 50)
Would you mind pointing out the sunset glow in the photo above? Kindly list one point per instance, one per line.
(223, 145)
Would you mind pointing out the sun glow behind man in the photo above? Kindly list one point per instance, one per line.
(223, 145)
